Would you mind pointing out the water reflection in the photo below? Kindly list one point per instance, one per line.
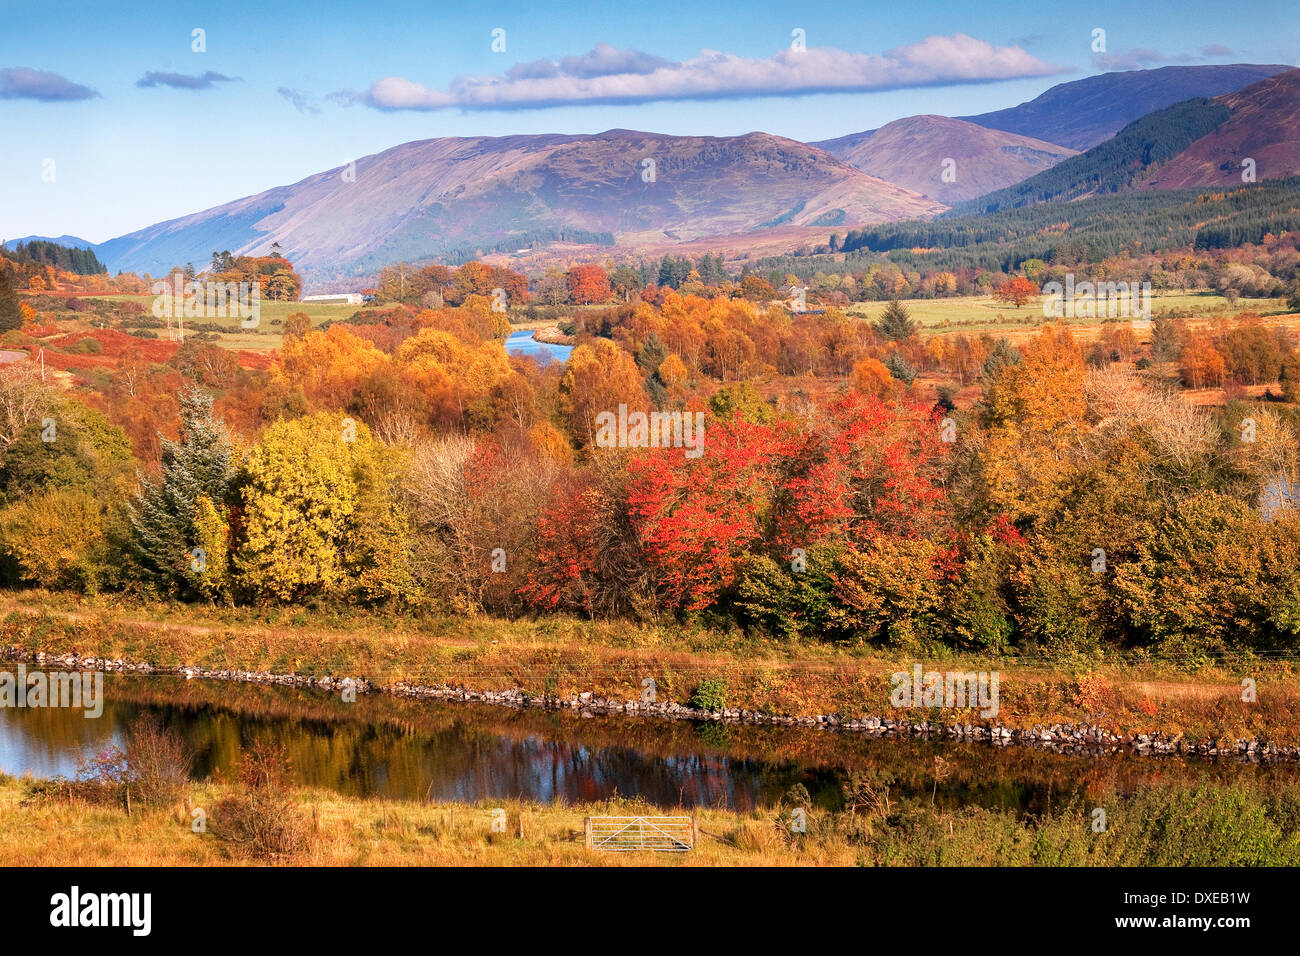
(403, 749)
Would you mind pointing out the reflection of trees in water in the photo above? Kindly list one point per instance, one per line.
(404, 749)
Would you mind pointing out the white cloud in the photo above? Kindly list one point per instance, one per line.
(606, 75)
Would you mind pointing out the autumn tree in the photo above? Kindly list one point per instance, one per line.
(552, 288)
(63, 478)
(588, 284)
(755, 288)
(1037, 411)
(871, 378)
(697, 517)
(1212, 575)
(589, 556)
(598, 378)
(297, 324)
(328, 366)
(1017, 291)
(321, 514)
(1202, 364)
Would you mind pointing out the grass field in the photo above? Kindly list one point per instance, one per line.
(1210, 824)
(986, 314)
(267, 336)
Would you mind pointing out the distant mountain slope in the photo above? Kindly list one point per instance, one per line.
(912, 153)
(1264, 126)
(1114, 166)
(72, 242)
(1196, 143)
(1083, 113)
(1093, 228)
(437, 196)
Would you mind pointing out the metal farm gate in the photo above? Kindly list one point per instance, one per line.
(673, 834)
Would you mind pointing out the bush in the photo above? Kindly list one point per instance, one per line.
(158, 762)
(262, 819)
(153, 771)
(711, 694)
(57, 539)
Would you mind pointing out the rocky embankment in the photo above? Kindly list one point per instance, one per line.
(1061, 738)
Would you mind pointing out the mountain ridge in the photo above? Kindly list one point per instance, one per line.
(1195, 143)
(428, 197)
(914, 152)
(1083, 113)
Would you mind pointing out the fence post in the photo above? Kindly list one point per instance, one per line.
(586, 828)
(695, 832)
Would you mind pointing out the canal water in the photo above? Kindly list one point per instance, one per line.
(409, 749)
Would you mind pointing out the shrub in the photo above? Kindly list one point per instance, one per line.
(158, 762)
(154, 770)
(56, 539)
(262, 819)
(711, 694)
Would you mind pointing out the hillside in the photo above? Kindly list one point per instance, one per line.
(1264, 125)
(1194, 144)
(1083, 113)
(1119, 164)
(1091, 228)
(444, 197)
(911, 152)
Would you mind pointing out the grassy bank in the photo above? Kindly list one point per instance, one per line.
(1235, 824)
(563, 657)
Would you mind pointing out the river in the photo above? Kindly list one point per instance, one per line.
(523, 343)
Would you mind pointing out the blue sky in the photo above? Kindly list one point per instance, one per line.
(140, 128)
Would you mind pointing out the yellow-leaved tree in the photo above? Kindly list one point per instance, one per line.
(1038, 416)
(321, 514)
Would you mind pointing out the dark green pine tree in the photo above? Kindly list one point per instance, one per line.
(11, 317)
(895, 324)
(900, 368)
(162, 514)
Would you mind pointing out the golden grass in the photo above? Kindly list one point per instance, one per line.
(983, 313)
(370, 832)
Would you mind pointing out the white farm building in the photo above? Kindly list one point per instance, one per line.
(336, 298)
